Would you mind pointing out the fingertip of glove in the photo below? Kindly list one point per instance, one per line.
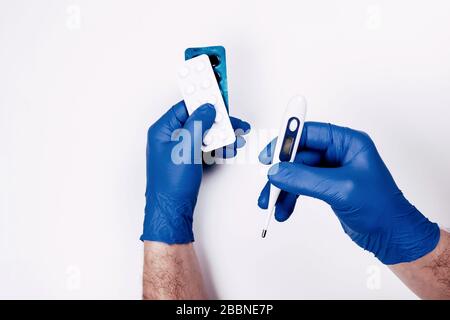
(274, 170)
(264, 157)
(205, 113)
(240, 142)
(277, 174)
(262, 201)
(279, 168)
(241, 127)
(280, 215)
(245, 126)
(261, 204)
(207, 108)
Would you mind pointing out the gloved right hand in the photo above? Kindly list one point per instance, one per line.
(342, 167)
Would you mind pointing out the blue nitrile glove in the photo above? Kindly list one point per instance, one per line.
(174, 173)
(342, 167)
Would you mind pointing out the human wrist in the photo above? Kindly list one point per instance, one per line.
(171, 272)
(428, 276)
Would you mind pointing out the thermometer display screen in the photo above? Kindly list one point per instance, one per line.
(288, 142)
(287, 146)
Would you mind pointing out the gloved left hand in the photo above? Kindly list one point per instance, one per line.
(174, 170)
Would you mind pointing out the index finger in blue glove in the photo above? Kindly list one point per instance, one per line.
(322, 183)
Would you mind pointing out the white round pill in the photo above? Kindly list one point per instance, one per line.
(183, 72)
(212, 99)
(200, 66)
(293, 124)
(190, 89)
(206, 84)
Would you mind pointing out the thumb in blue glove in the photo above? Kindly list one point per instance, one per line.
(342, 167)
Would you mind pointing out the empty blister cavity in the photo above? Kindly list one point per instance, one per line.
(189, 89)
(200, 66)
(183, 72)
(206, 84)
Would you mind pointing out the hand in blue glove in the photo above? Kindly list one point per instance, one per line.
(342, 167)
(172, 182)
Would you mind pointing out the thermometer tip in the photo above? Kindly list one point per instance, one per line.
(264, 232)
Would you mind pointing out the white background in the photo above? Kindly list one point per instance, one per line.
(81, 81)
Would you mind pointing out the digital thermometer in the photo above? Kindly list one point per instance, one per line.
(286, 145)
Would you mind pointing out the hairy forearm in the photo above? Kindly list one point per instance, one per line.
(429, 276)
(171, 272)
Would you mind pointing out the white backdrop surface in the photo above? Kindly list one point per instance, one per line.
(81, 81)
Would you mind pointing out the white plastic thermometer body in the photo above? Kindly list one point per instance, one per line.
(198, 86)
(286, 148)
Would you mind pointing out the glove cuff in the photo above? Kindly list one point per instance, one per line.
(411, 240)
(168, 220)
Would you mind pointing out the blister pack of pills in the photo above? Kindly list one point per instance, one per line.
(198, 86)
(218, 60)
